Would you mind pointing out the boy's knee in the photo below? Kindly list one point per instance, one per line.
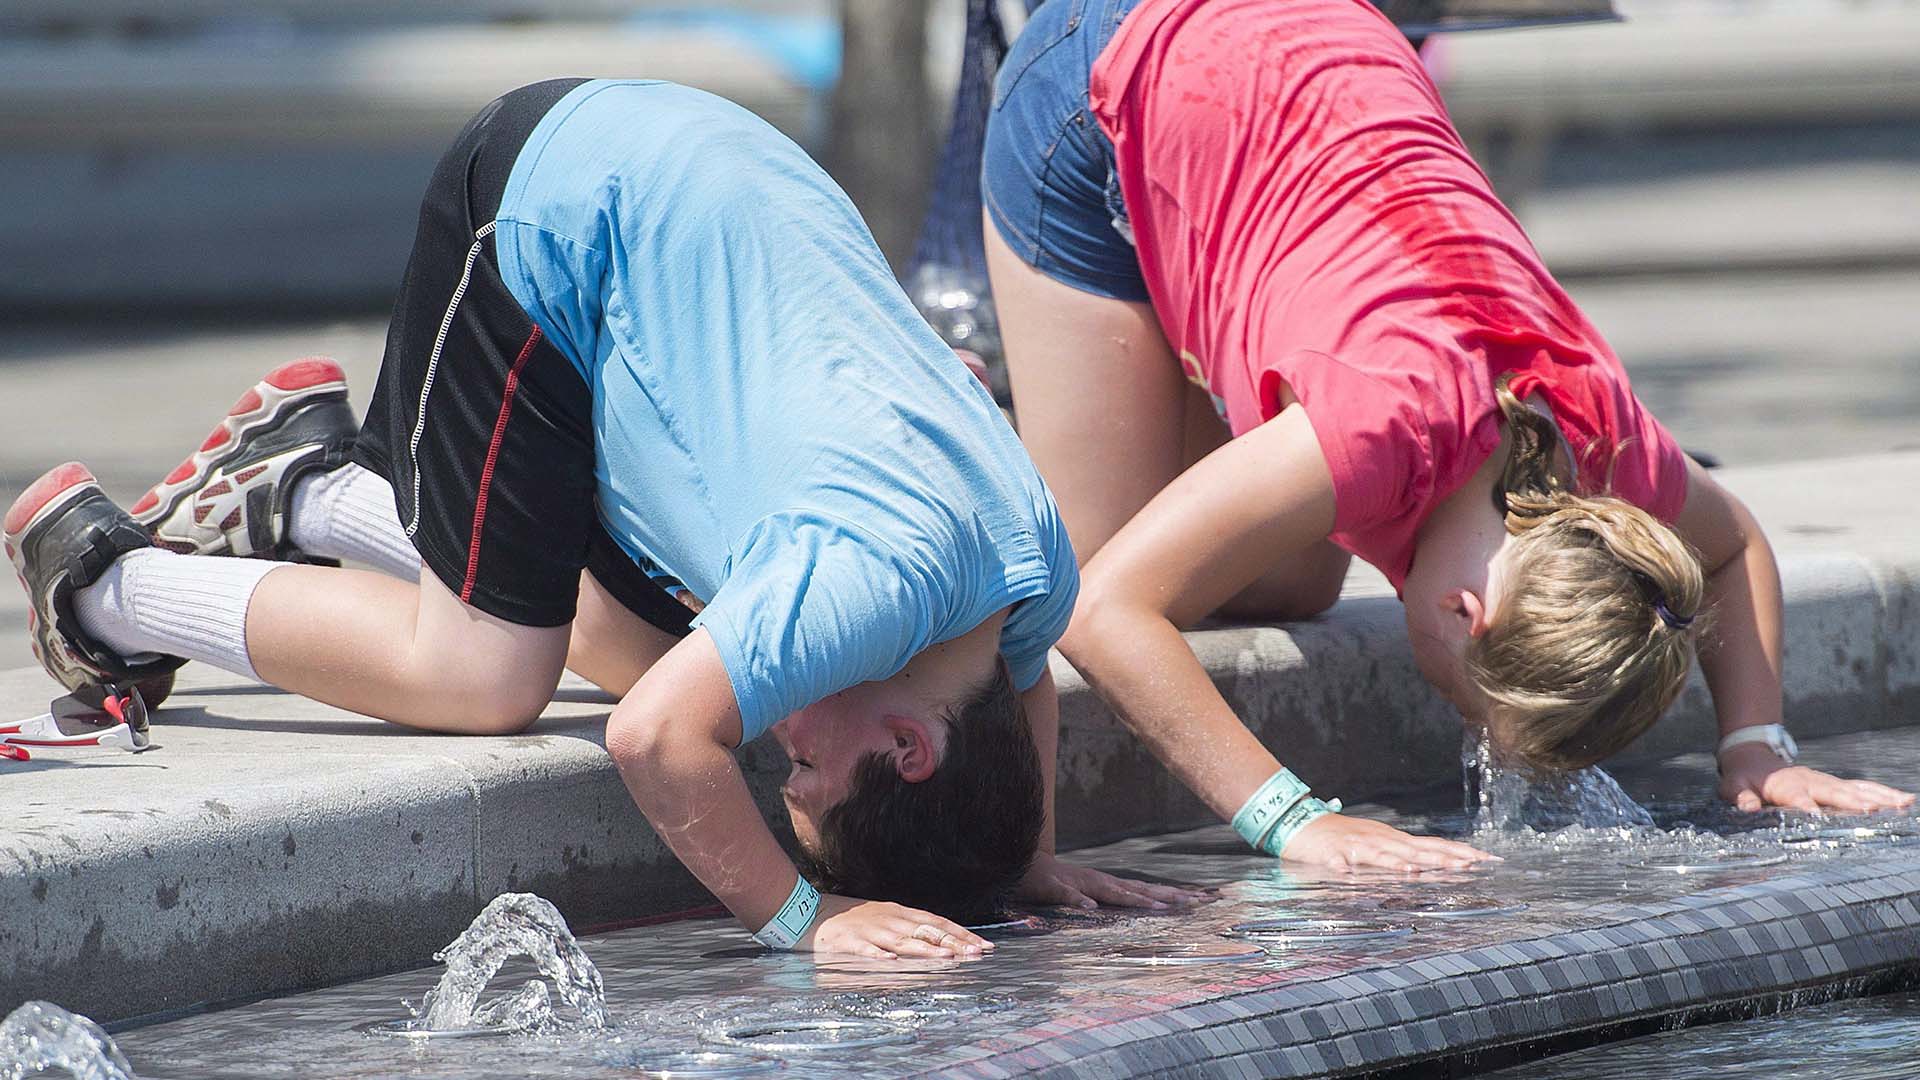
(503, 719)
(496, 703)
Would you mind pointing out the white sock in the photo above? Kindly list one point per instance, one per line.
(348, 514)
(183, 605)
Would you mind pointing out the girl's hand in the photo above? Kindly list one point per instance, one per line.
(883, 931)
(1054, 881)
(1753, 778)
(1349, 843)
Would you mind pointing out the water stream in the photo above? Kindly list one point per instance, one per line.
(514, 924)
(40, 1035)
(1504, 799)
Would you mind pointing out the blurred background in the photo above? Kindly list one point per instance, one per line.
(192, 191)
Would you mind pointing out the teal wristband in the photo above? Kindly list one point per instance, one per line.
(1263, 809)
(1295, 818)
(792, 921)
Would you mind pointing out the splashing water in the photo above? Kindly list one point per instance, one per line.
(41, 1035)
(514, 924)
(531, 1006)
(1507, 800)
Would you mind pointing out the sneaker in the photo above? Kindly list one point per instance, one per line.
(61, 534)
(231, 496)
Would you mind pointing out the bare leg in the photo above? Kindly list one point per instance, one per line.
(412, 654)
(611, 646)
(1110, 420)
(1097, 393)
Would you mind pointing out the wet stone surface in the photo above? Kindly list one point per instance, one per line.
(1573, 927)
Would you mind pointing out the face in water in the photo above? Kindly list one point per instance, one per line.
(1450, 600)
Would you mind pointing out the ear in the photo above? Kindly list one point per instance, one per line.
(913, 751)
(1470, 608)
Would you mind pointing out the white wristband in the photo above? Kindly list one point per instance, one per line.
(1775, 736)
(792, 921)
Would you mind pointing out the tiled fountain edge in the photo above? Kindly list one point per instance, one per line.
(1738, 943)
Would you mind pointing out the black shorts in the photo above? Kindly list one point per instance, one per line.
(483, 428)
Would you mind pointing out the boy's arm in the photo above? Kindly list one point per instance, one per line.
(1740, 657)
(672, 739)
(1210, 533)
(1052, 880)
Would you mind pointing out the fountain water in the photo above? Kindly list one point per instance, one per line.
(514, 924)
(40, 1035)
(1507, 799)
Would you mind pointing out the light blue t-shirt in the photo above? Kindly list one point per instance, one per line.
(775, 425)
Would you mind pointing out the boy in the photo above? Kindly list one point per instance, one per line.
(641, 336)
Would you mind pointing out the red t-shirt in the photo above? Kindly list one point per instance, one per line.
(1306, 217)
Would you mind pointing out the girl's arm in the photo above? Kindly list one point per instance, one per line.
(1055, 881)
(672, 738)
(1208, 535)
(1740, 657)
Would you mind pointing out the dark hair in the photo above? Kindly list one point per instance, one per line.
(954, 843)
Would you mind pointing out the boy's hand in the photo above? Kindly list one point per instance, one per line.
(1753, 777)
(887, 931)
(1349, 843)
(1054, 881)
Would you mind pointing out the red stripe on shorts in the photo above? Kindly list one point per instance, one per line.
(493, 456)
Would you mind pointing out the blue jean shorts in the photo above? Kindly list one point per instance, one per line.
(1047, 176)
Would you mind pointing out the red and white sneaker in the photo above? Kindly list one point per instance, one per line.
(231, 496)
(61, 534)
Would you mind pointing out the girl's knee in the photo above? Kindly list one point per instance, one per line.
(1305, 588)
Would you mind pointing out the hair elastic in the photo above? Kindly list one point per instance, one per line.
(1677, 622)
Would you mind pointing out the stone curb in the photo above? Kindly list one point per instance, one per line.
(275, 844)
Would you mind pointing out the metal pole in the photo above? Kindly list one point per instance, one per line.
(880, 143)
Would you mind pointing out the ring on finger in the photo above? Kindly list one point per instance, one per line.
(931, 934)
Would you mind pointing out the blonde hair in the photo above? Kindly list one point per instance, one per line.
(1595, 632)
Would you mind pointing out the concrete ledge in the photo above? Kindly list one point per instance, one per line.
(377, 85)
(271, 844)
(1687, 68)
(274, 844)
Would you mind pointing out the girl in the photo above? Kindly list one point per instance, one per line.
(1264, 199)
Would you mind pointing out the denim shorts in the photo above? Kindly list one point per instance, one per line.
(1047, 177)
